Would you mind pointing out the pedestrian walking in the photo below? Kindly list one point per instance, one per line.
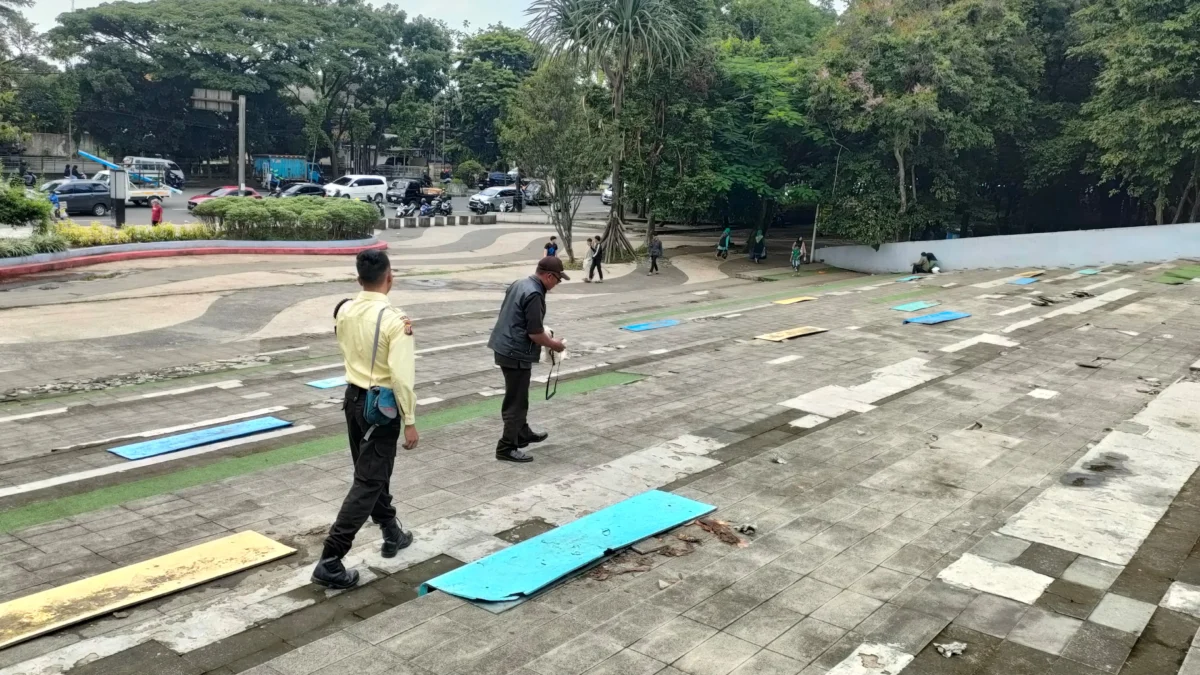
(758, 250)
(597, 257)
(655, 254)
(517, 341)
(377, 347)
(156, 211)
(723, 244)
(54, 206)
(551, 247)
(587, 257)
(797, 254)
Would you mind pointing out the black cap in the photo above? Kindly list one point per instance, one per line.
(552, 265)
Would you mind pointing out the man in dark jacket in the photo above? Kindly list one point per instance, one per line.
(517, 341)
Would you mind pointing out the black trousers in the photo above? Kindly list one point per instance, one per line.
(514, 410)
(373, 461)
(653, 263)
(596, 268)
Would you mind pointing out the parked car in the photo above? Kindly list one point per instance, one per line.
(226, 191)
(371, 188)
(302, 190)
(535, 192)
(410, 191)
(491, 199)
(606, 197)
(48, 186)
(84, 196)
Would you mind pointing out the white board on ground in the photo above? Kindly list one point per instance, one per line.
(873, 659)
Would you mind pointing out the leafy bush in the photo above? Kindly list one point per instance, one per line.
(294, 218)
(468, 172)
(18, 208)
(80, 236)
(38, 243)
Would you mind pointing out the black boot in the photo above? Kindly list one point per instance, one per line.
(331, 573)
(530, 436)
(394, 539)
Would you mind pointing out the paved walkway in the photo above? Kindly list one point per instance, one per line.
(1020, 481)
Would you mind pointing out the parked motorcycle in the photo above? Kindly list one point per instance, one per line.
(426, 209)
(442, 206)
(406, 210)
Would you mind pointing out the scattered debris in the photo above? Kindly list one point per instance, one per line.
(663, 585)
(721, 530)
(624, 563)
(140, 377)
(120, 615)
(975, 426)
(870, 661)
(1150, 380)
(684, 537)
(1082, 294)
(950, 648)
(933, 437)
(648, 545)
(1096, 363)
(778, 460)
(747, 529)
(860, 432)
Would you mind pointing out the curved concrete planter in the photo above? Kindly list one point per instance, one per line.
(80, 257)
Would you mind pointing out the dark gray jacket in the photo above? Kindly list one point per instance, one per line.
(656, 248)
(510, 337)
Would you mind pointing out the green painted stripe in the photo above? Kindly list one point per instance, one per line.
(63, 507)
(745, 302)
(903, 296)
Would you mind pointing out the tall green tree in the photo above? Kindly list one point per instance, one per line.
(552, 132)
(492, 64)
(616, 36)
(1144, 117)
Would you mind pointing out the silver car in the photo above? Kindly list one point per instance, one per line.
(606, 197)
(491, 198)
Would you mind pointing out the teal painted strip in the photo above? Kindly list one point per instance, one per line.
(940, 317)
(650, 325)
(330, 383)
(916, 306)
(1023, 282)
(160, 446)
(525, 568)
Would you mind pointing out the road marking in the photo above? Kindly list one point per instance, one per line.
(430, 401)
(313, 369)
(1014, 310)
(430, 350)
(31, 415)
(283, 351)
(138, 463)
(783, 359)
(227, 384)
(983, 337)
(1109, 281)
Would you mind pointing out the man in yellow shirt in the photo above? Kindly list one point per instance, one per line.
(373, 448)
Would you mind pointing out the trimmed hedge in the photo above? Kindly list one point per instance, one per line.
(17, 208)
(82, 236)
(38, 243)
(289, 219)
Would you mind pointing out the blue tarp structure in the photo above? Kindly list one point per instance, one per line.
(192, 439)
(525, 568)
(940, 317)
(1024, 281)
(650, 325)
(915, 306)
(330, 383)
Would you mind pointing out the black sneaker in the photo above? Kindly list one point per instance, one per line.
(331, 573)
(513, 455)
(394, 539)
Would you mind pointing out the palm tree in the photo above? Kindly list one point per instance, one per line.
(615, 36)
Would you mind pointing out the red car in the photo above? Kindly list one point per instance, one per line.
(226, 191)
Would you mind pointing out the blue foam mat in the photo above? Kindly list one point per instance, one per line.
(1089, 272)
(650, 325)
(939, 317)
(912, 278)
(329, 383)
(525, 568)
(161, 446)
(918, 305)
(1025, 281)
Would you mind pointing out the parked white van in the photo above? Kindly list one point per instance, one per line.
(353, 186)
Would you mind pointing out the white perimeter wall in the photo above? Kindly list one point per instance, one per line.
(1051, 249)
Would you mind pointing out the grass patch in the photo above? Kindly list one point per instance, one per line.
(63, 507)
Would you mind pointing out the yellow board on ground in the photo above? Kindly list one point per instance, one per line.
(49, 610)
(1032, 274)
(792, 301)
(780, 336)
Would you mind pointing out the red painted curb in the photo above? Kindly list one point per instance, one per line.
(68, 263)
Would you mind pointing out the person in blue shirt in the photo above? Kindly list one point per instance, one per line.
(54, 203)
(552, 247)
(315, 175)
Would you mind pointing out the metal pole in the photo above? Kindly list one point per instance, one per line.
(812, 250)
(241, 158)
